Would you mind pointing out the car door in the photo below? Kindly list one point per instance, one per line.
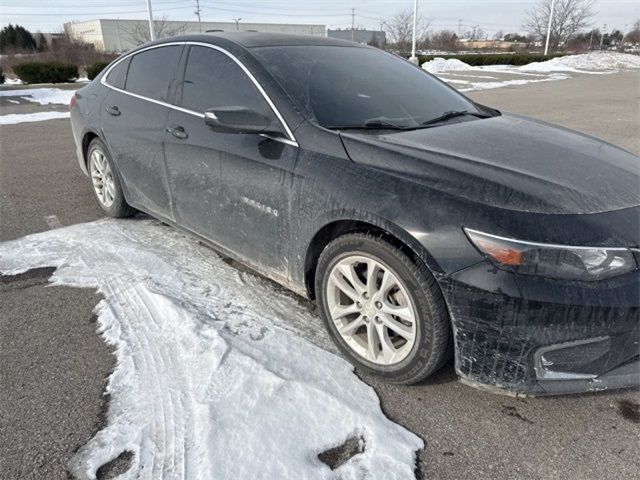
(192, 153)
(133, 119)
(232, 188)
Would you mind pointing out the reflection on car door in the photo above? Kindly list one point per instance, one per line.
(133, 127)
(231, 188)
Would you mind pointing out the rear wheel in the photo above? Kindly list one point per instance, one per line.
(105, 181)
(385, 312)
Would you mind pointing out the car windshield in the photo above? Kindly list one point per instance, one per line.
(361, 87)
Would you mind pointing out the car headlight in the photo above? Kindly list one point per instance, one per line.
(554, 261)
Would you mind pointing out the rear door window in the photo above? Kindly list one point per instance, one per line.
(212, 79)
(118, 74)
(150, 72)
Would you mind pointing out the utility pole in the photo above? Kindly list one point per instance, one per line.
(237, 20)
(413, 58)
(152, 33)
(604, 29)
(198, 14)
(546, 44)
(459, 27)
(353, 24)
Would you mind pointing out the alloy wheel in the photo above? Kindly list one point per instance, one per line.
(102, 178)
(372, 310)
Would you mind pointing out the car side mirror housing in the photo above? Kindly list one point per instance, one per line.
(238, 120)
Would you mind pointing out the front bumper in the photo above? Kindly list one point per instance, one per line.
(536, 336)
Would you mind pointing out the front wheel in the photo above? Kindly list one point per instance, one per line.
(105, 181)
(385, 312)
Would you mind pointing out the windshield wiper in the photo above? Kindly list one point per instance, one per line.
(384, 123)
(374, 124)
(453, 114)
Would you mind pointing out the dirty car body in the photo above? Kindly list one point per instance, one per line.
(531, 230)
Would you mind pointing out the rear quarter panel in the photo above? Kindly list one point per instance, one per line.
(85, 116)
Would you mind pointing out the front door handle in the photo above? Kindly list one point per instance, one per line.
(113, 110)
(177, 131)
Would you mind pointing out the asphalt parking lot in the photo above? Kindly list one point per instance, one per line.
(54, 364)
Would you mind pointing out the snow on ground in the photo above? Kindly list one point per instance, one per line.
(587, 63)
(449, 71)
(12, 81)
(475, 86)
(213, 379)
(558, 68)
(17, 81)
(43, 96)
(13, 118)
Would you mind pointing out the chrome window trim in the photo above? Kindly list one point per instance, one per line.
(290, 141)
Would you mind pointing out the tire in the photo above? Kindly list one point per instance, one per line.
(396, 360)
(105, 181)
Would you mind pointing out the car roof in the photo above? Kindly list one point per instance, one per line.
(262, 39)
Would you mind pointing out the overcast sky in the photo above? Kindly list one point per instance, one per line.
(491, 15)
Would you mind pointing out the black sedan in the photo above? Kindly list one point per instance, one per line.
(424, 224)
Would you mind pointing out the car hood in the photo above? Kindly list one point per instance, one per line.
(508, 161)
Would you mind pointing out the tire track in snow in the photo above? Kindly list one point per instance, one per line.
(213, 378)
(131, 299)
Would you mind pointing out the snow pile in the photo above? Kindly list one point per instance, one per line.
(43, 96)
(13, 118)
(213, 379)
(597, 61)
(12, 81)
(588, 62)
(439, 65)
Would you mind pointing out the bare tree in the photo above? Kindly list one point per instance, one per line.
(400, 31)
(476, 33)
(498, 35)
(569, 17)
(139, 31)
(444, 40)
(633, 35)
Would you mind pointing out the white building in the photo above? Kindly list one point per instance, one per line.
(110, 35)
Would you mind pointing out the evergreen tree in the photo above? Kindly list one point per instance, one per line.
(16, 38)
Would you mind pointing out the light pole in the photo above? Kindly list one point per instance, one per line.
(353, 24)
(546, 44)
(198, 15)
(413, 58)
(237, 20)
(152, 33)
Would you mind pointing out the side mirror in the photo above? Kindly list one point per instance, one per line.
(238, 120)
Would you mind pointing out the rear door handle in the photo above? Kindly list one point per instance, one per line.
(177, 131)
(113, 110)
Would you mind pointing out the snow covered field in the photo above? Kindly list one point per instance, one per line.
(561, 68)
(213, 377)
